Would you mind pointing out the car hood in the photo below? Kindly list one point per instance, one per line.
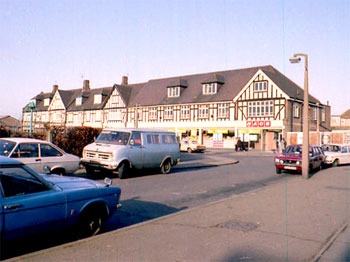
(66, 183)
(103, 147)
(290, 156)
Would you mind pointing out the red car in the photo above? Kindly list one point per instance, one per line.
(292, 157)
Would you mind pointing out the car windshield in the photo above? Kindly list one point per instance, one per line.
(331, 148)
(113, 137)
(6, 147)
(295, 149)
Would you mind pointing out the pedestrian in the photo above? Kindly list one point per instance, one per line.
(239, 145)
(283, 144)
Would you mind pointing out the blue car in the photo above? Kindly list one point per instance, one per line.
(31, 203)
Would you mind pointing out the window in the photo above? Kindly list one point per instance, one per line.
(168, 112)
(48, 151)
(78, 101)
(98, 99)
(152, 114)
(136, 137)
(203, 111)
(174, 91)
(169, 139)
(344, 150)
(260, 86)
(185, 112)
(209, 88)
(323, 115)
(314, 111)
(260, 108)
(296, 110)
(115, 115)
(16, 181)
(153, 139)
(223, 110)
(26, 150)
(47, 101)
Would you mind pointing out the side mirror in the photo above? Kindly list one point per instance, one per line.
(108, 181)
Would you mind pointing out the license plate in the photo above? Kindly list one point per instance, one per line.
(290, 167)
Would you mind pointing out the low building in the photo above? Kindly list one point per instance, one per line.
(259, 105)
(10, 123)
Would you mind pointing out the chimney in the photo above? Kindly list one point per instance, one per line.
(86, 85)
(124, 81)
(54, 89)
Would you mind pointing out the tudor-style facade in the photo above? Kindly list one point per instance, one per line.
(256, 104)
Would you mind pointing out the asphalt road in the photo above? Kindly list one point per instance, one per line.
(148, 195)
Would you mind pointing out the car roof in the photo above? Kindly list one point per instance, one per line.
(137, 129)
(6, 161)
(301, 145)
(23, 139)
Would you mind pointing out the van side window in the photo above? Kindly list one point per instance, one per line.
(344, 150)
(168, 139)
(136, 137)
(153, 139)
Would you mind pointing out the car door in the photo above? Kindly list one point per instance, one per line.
(50, 157)
(30, 205)
(343, 156)
(28, 153)
(135, 151)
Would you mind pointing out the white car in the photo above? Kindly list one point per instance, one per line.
(336, 154)
(41, 156)
(191, 146)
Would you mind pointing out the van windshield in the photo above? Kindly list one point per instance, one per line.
(113, 137)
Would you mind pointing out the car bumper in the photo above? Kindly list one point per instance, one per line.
(289, 167)
(99, 164)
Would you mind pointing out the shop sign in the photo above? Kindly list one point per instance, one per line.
(265, 123)
(249, 131)
(218, 131)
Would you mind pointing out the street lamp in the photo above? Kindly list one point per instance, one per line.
(31, 106)
(305, 157)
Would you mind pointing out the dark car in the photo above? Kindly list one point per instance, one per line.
(291, 159)
(31, 203)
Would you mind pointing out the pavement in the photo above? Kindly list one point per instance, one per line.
(292, 220)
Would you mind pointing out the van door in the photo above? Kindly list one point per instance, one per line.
(152, 150)
(136, 151)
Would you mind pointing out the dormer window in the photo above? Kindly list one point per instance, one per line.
(98, 99)
(78, 101)
(210, 88)
(174, 91)
(47, 101)
(260, 86)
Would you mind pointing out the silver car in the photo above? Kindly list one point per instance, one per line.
(41, 156)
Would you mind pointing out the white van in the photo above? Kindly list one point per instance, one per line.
(125, 148)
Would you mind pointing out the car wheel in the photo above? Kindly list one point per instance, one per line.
(123, 170)
(166, 167)
(90, 223)
(335, 163)
(189, 150)
(278, 170)
(90, 170)
(59, 171)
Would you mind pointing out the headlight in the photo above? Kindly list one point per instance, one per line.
(277, 160)
(281, 161)
(298, 162)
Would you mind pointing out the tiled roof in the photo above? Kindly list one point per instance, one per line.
(346, 114)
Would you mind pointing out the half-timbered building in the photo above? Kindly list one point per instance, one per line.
(259, 105)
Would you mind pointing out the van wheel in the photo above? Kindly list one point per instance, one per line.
(166, 167)
(123, 170)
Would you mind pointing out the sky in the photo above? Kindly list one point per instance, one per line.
(62, 42)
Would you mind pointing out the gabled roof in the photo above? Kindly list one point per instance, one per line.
(9, 121)
(154, 92)
(346, 114)
(39, 102)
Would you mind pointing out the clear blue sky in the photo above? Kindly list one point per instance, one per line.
(47, 42)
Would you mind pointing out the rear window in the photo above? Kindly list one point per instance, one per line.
(6, 147)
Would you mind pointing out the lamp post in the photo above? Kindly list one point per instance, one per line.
(305, 157)
(31, 106)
